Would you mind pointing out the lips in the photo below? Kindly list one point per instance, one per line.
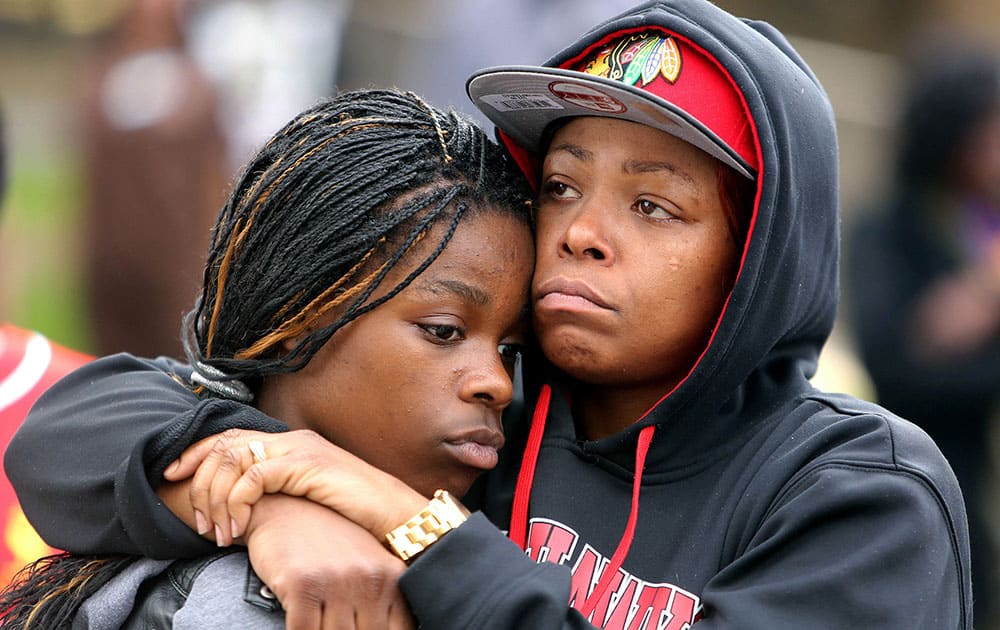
(477, 449)
(565, 292)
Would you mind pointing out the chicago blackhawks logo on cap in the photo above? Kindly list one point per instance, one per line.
(637, 59)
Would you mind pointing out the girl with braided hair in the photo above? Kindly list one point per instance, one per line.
(367, 282)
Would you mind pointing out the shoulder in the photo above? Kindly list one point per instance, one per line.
(875, 473)
(862, 493)
(839, 450)
(124, 363)
(113, 374)
(845, 429)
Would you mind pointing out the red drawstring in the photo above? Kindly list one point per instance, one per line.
(522, 492)
(522, 495)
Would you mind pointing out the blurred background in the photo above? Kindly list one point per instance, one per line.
(126, 120)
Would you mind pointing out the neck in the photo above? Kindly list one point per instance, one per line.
(270, 400)
(603, 411)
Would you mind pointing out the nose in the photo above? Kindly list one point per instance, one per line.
(586, 234)
(488, 383)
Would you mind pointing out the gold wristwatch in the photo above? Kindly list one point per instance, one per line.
(441, 515)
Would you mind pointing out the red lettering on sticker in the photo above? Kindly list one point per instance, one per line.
(586, 97)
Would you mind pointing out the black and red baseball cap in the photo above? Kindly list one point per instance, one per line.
(645, 74)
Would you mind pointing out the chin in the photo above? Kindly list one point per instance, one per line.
(579, 361)
(458, 490)
(457, 483)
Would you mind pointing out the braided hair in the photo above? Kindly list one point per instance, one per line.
(319, 218)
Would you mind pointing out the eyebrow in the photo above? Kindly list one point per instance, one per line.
(576, 151)
(466, 291)
(653, 166)
(630, 167)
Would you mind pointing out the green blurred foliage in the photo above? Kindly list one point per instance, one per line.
(42, 224)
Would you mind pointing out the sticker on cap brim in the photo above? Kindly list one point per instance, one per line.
(520, 102)
(587, 97)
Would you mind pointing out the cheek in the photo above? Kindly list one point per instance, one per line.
(547, 229)
(694, 277)
(546, 252)
(345, 383)
(385, 426)
(708, 284)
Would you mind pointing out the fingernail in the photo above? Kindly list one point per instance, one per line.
(174, 465)
(233, 528)
(218, 536)
(200, 522)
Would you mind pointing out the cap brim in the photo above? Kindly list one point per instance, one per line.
(524, 100)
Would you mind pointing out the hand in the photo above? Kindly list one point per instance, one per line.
(326, 571)
(303, 463)
(227, 481)
(956, 316)
(205, 473)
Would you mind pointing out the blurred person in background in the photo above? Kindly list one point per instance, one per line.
(268, 60)
(29, 364)
(155, 172)
(924, 270)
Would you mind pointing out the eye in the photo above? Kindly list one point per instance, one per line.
(652, 210)
(556, 189)
(443, 333)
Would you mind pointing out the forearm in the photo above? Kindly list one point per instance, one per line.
(322, 566)
(88, 456)
(176, 498)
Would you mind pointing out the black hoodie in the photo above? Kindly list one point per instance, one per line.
(761, 502)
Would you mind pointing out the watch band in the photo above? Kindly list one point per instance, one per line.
(442, 514)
